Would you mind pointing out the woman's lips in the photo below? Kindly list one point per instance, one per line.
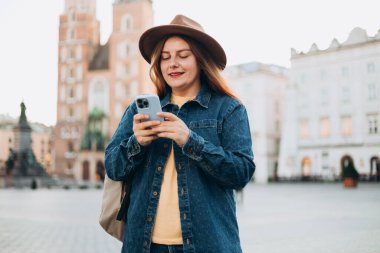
(175, 74)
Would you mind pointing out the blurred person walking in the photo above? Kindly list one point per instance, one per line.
(185, 168)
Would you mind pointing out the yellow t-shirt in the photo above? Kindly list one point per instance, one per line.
(167, 225)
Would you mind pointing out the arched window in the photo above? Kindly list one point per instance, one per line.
(126, 23)
(72, 53)
(72, 94)
(70, 34)
(71, 112)
(70, 146)
(98, 95)
(71, 72)
(71, 15)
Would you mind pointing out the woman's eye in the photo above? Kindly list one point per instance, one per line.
(164, 57)
(183, 56)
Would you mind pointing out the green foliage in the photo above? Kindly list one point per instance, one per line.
(93, 137)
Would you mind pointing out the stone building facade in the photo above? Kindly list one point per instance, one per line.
(332, 110)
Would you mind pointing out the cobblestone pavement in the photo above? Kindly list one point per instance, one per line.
(286, 218)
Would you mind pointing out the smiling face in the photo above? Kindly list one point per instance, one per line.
(179, 67)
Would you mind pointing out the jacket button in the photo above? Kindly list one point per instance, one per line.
(155, 194)
(184, 216)
(150, 219)
(159, 168)
(187, 241)
(145, 243)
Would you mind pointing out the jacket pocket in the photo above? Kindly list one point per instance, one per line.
(207, 128)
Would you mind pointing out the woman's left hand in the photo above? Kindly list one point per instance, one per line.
(173, 128)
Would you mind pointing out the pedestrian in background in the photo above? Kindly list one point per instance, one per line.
(185, 168)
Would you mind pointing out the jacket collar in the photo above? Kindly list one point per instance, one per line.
(203, 97)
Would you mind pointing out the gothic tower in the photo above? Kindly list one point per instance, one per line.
(95, 77)
(130, 72)
(78, 42)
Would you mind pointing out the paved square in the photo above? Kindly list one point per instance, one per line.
(307, 218)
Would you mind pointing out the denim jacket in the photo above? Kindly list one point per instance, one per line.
(216, 159)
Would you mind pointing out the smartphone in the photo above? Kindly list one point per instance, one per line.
(149, 104)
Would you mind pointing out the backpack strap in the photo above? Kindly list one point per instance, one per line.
(125, 199)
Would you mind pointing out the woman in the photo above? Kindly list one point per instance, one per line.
(186, 168)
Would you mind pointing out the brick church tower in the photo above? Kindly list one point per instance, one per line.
(95, 78)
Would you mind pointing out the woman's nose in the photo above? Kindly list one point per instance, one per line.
(173, 62)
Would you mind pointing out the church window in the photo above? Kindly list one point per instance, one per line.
(62, 95)
(72, 94)
(72, 53)
(71, 15)
(71, 72)
(134, 89)
(127, 50)
(127, 70)
(134, 69)
(119, 90)
(79, 72)
(71, 34)
(63, 74)
(63, 54)
(119, 110)
(71, 112)
(79, 92)
(119, 70)
(126, 23)
(79, 52)
(70, 146)
(98, 95)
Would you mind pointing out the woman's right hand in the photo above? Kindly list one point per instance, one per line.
(142, 129)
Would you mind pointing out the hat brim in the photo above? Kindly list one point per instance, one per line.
(152, 36)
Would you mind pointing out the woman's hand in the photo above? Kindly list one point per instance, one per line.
(173, 128)
(143, 130)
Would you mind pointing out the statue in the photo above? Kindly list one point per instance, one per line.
(22, 165)
(23, 120)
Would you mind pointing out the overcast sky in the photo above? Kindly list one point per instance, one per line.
(249, 30)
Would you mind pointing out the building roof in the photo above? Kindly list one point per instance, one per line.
(255, 67)
(100, 61)
(357, 37)
(8, 123)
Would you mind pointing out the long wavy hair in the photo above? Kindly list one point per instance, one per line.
(210, 73)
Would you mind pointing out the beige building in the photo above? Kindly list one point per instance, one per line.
(261, 88)
(91, 76)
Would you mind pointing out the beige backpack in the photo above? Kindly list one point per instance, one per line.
(115, 203)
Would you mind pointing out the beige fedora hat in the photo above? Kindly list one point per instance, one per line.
(181, 25)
